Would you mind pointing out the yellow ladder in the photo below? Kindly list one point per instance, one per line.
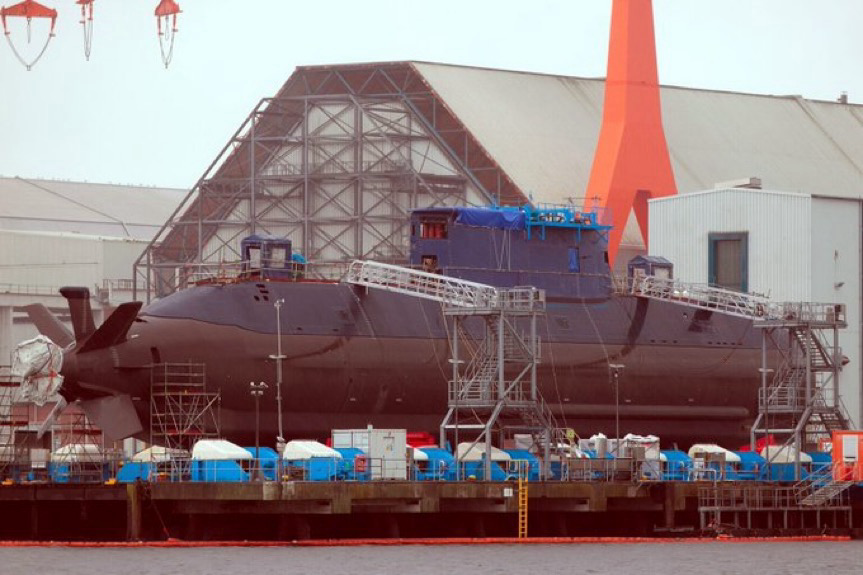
(523, 467)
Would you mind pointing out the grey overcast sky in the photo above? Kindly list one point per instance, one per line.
(123, 118)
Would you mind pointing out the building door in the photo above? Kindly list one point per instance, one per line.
(728, 261)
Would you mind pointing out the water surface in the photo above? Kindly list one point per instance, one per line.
(817, 558)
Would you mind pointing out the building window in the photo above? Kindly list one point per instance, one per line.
(433, 230)
(728, 261)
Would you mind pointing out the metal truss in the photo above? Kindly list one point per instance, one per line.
(335, 161)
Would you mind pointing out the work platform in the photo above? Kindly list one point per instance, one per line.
(390, 509)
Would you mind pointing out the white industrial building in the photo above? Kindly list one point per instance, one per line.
(793, 247)
(59, 233)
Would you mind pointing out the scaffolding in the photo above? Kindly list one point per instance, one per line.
(80, 452)
(182, 410)
(494, 388)
(800, 405)
(10, 420)
(335, 161)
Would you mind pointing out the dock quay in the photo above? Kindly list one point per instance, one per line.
(304, 510)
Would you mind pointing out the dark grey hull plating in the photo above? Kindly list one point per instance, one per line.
(356, 357)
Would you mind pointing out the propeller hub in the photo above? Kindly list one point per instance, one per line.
(38, 363)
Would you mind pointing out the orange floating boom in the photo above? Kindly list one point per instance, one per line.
(631, 164)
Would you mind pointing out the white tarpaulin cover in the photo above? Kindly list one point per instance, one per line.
(701, 449)
(38, 361)
(465, 452)
(78, 453)
(649, 442)
(218, 450)
(159, 454)
(783, 454)
(302, 449)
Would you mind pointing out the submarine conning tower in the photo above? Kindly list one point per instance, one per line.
(561, 249)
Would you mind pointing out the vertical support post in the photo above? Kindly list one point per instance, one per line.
(280, 440)
(133, 512)
(766, 399)
(200, 226)
(458, 468)
(615, 376)
(533, 353)
(257, 390)
(253, 214)
(501, 386)
(307, 242)
(668, 506)
(836, 363)
(34, 520)
(800, 430)
(500, 356)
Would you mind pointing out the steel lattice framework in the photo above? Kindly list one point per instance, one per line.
(335, 161)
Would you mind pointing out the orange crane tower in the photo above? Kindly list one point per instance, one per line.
(631, 164)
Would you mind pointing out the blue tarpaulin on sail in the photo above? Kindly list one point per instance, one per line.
(486, 218)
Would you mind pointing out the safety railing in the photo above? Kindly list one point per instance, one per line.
(444, 289)
(192, 274)
(604, 470)
(748, 305)
(696, 295)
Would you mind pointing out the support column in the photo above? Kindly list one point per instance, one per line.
(6, 342)
(303, 530)
(668, 506)
(34, 521)
(133, 512)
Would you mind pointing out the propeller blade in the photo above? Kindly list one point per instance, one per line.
(52, 417)
(114, 329)
(48, 324)
(78, 299)
(114, 415)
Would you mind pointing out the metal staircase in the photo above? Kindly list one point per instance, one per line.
(801, 404)
(494, 387)
(821, 488)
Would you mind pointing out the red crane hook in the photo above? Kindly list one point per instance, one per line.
(87, 25)
(167, 10)
(28, 9)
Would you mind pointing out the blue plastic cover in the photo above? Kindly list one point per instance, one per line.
(490, 218)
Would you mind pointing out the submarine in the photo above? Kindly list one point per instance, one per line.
(355, 356)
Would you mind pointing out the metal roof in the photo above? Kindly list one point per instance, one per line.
(543, 129)
(106, 210)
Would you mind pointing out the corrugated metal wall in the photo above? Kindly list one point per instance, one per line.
(836, 277)
(779, 227)
(52, 261)
(800, 249)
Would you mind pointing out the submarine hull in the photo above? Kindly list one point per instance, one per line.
(357, 356)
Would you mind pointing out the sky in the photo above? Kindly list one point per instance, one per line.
(122, 117)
